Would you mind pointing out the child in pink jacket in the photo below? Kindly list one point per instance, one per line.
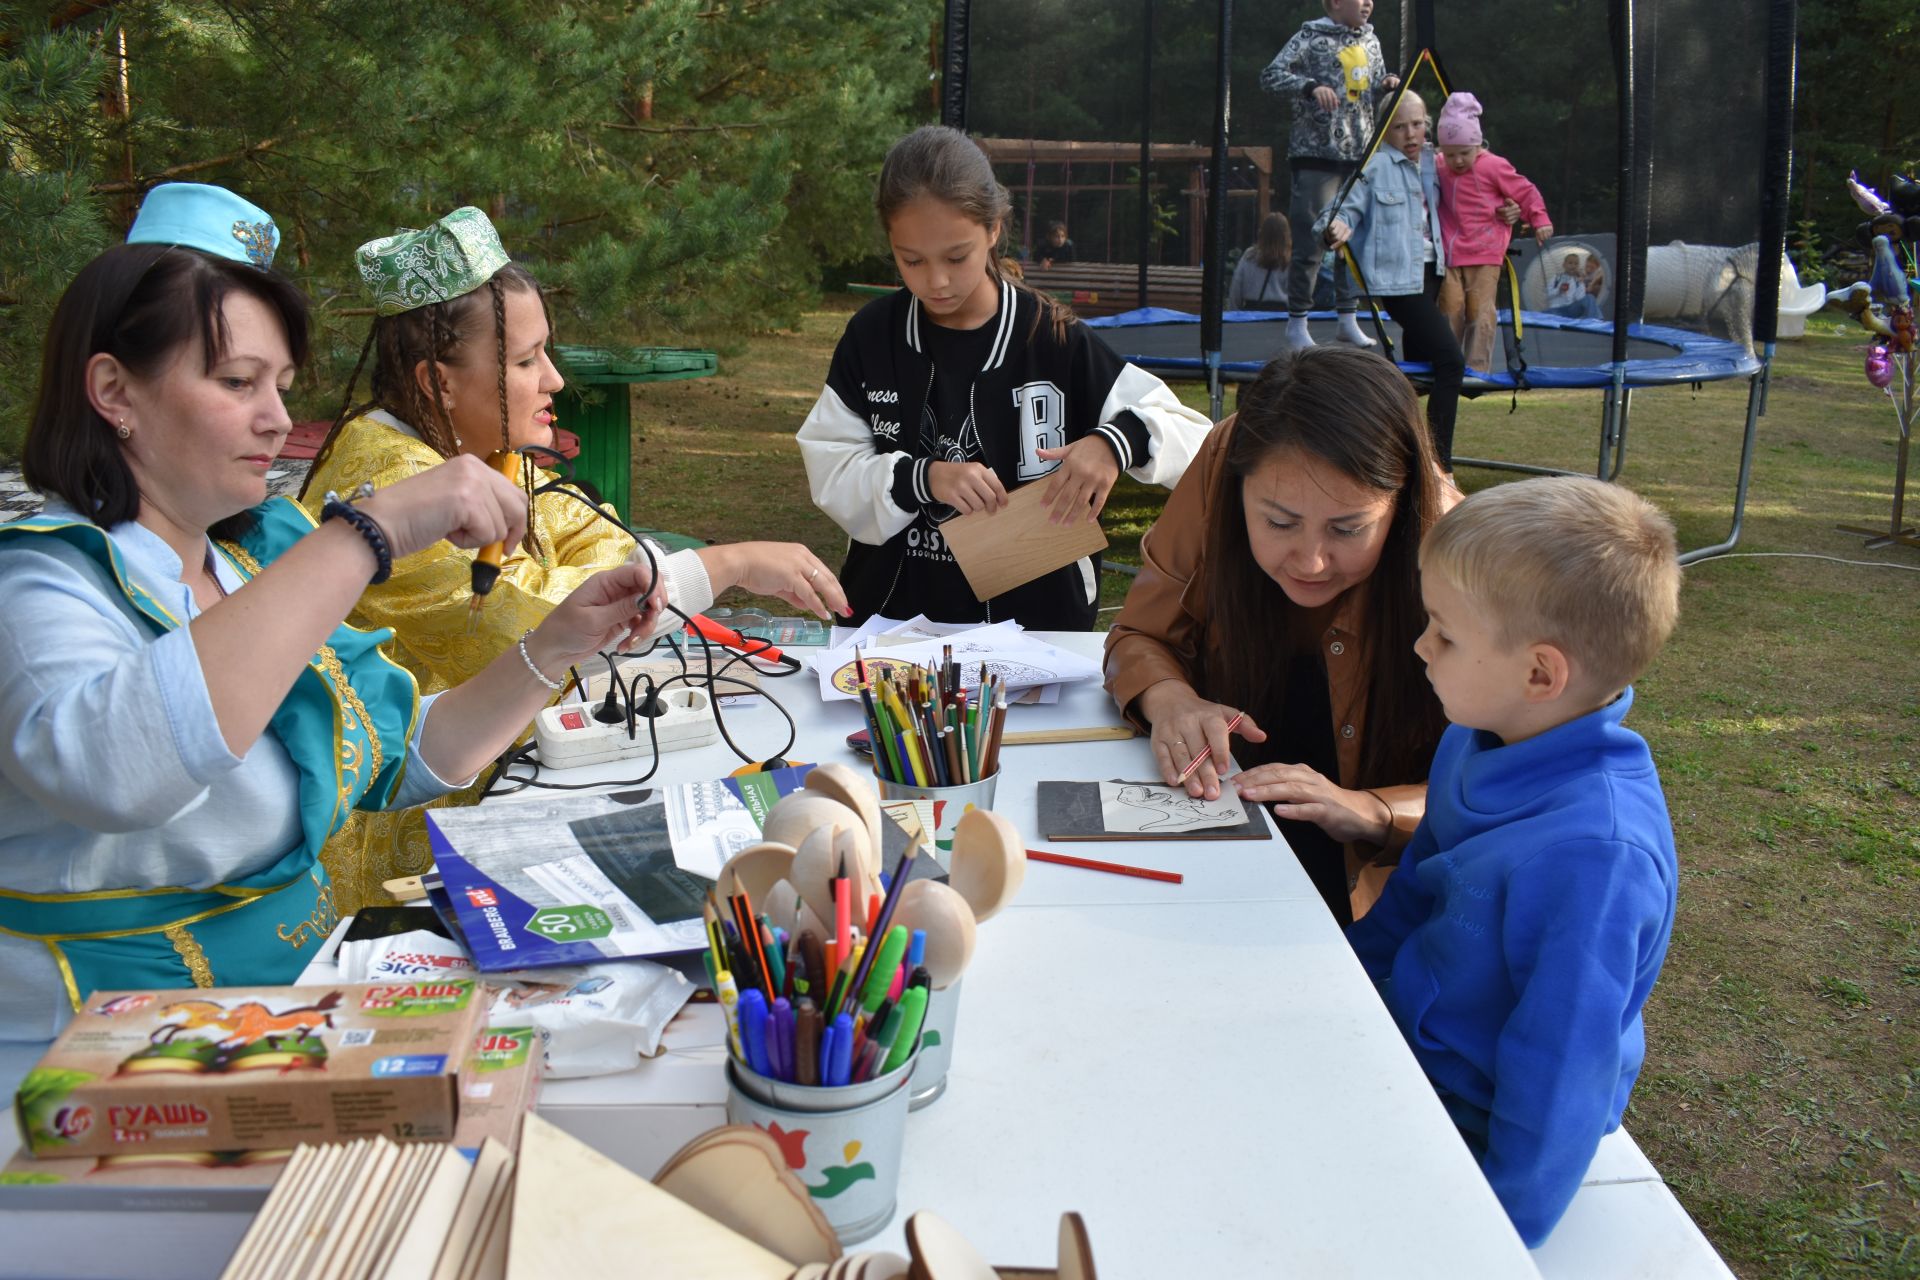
(1474, 183)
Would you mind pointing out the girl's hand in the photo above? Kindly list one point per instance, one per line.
(1078, 487)
(1543, 233)
(604, 612)
(967, 487)
(462, 500)
(784, 569)
(1298, 792)
(1184, 725)
(1338, 233)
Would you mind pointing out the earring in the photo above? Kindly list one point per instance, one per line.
(124, 431)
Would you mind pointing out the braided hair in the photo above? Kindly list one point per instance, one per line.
(436, 333)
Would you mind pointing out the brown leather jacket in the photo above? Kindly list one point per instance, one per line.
(1158, 636)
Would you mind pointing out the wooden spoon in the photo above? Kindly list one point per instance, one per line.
(853, 789)
(948, 921)
(814, 865)
(801, 813)
(989, 862)
(757, 869)
(1076, 1250)
(942, 1253)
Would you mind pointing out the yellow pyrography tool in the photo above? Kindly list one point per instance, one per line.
(486, 565)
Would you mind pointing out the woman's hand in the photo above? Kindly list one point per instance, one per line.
(1306, 795)
(606, 611)
(967, 487)
(462, 500)
(1078, 487)
(784, 569)
(1184, 725)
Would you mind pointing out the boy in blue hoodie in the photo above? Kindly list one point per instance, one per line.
(1517, 941)
(1332, 72)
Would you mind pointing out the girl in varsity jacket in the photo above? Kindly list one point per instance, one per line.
(947, 395)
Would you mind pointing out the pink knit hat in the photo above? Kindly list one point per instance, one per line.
(1460, 121)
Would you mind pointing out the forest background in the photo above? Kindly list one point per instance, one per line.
(681, 170)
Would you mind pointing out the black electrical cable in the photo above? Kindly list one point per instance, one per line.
(523, 754)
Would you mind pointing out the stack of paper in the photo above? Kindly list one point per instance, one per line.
(1022, 661)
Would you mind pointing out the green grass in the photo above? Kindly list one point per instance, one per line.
(1781, 1093)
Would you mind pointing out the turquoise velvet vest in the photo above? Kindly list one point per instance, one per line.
(345, 723)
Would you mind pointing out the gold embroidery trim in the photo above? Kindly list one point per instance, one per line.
(325, 915)
(191, 954)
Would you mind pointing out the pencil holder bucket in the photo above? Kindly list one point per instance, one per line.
(950, 804)
(842, 1143)
(936, 1047)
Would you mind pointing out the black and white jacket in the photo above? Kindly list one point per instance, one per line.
(873, 432)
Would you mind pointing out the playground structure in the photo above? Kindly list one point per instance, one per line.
(1661, 161)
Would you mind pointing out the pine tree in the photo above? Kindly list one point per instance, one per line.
(666, 167)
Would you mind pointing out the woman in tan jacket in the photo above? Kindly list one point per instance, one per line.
(1281, 585)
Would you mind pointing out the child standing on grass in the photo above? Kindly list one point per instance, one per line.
(1331, 71)
(948, 394)
(1474, 183)
(1530, 914)
(1392, 217)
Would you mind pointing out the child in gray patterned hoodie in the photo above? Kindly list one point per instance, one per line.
(1332, 72)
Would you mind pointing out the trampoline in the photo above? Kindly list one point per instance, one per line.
(1559, 352)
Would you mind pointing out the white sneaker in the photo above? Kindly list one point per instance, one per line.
(1297, 336)
(1350, 330)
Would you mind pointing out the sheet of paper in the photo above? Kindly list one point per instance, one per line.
(707, 824)
(1020, 660)
(1147, 809)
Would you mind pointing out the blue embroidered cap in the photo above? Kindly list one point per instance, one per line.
(195, 215)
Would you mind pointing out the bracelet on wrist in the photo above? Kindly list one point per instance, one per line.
(366, 525)
(538, 674)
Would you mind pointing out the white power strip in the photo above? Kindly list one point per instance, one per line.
(570, 737)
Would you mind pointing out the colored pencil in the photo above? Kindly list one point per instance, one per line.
(1207, 750)
(1118, 869)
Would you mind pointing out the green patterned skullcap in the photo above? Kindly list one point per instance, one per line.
(412, 269)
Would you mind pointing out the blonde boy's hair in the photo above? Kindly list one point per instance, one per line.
(1588, 567)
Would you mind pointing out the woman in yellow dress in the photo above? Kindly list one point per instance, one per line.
(460, 365)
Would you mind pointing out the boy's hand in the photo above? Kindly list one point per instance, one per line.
(1390, 82)
(1337, 233)
(1306, 795)
(1078, 488)
(1326, 99)
(1543, 233)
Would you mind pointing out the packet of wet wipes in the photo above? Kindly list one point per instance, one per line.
(404, 957)
(598, 1018)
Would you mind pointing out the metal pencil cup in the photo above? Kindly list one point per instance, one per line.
(843, 1143)
(950, 804)
(936, 1047)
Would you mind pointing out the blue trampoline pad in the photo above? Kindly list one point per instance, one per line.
(1559, 352)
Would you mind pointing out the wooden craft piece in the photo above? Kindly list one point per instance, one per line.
(948, 920)
(942, 1253)
(783, 903)
(405, 889)
(814, 866)
(577, 1213)
(1076, 1250)
(1004, 549)
(850, 851)
(737, 1176)
(756, 868)
(490, 1165)
(423, 1234)
(800, 813)
(855, 790)
(989, 862)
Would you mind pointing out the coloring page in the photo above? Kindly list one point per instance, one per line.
(1138, 808)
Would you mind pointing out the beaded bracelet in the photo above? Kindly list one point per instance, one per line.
(369, 528)
(538, 674)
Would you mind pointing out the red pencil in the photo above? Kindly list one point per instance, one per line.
(1207, 750)
(1145, 873)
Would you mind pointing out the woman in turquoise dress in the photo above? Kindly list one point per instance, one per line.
(185, 716)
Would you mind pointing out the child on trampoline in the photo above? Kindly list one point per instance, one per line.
(1392, 216)
(1474, 183)
(1518, 939)
(948, 394)
(1331, 71)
